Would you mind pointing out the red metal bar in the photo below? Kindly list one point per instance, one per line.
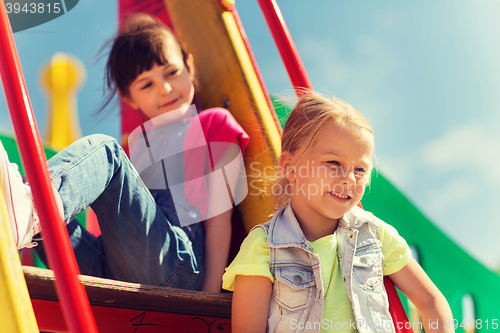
(286, 46)
(398, 314)
(61, 257)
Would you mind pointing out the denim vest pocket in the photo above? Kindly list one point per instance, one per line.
(368, 267)
(295, 288)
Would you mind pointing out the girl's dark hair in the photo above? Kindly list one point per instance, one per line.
(136, 48)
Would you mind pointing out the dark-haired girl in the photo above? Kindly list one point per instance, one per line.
(145, 235)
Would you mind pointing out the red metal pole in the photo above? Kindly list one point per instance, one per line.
(396, 309)
(286, 46)
(61, 257)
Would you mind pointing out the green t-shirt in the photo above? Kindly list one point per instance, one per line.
(253, 259)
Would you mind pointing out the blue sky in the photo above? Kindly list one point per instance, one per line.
(424, 73)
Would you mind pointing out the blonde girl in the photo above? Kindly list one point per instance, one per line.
(318, 265)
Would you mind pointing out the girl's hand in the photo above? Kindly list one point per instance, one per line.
(251, 298)
(431, 304)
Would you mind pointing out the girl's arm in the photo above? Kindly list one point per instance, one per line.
(218, 230)
(250, 308)
(217, 241)
(431, 304)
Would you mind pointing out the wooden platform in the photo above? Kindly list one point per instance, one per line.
(131, 307)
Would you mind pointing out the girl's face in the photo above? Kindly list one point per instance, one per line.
(164, 88)
(331, 179)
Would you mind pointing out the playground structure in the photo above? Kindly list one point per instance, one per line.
(233, 81)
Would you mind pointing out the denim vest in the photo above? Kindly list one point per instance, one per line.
(297, 298)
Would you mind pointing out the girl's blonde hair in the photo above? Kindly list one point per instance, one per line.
(311, 113)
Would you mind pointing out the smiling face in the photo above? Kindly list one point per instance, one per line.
(164, 88)
(331, 178)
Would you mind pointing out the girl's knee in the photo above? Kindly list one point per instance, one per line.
(100, 139)
(99, 143)
(103, 140)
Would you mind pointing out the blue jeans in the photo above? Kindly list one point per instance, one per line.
(140, 242)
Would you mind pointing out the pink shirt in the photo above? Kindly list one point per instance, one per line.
(218, 125)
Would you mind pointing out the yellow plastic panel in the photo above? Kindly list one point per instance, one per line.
(16, 313)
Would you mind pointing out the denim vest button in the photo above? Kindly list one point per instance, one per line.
(363, 259)
(297, 279)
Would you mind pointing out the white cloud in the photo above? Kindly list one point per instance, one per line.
(445, 197)
(453, 180)
(399, 170)
(474, 148)
(323, 58)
